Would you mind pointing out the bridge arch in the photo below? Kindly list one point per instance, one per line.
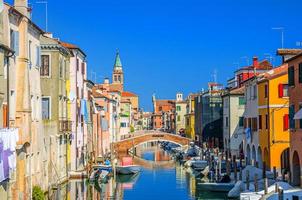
(123, 146)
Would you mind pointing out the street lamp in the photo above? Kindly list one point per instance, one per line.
(282, 34)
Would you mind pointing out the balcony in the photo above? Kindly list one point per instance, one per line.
(65, 126)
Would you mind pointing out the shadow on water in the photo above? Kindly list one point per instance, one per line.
(160, 178)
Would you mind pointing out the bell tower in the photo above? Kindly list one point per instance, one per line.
(118, 74)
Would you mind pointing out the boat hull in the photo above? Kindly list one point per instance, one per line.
(216, 187)
(131, 169)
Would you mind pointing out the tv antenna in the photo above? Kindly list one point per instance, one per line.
(282, 34)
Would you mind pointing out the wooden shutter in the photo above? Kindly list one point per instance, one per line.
(280, 90)
(16, 42)
(5, 117)
(285, 122)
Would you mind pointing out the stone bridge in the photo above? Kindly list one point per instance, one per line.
(137, 138)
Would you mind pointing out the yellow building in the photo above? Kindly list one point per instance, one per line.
(273, 127)
(190, 117)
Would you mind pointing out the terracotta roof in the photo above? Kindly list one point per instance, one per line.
(125, 101)
(164, 102)
(282, 52)
(71, 46)
(128, 94)
(278, 71)
(263, 65)
(238, 90)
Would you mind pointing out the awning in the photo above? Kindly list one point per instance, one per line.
(298, 115)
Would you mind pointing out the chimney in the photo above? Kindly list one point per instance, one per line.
(22, 7)
(106, 81)
(48, 34)
(255, 62)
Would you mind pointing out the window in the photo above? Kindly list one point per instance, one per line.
(38, 56)
(178, 118)
(241, 121)
(226, 121)
(265, 91)
(254, 124)
(160, 108)
(283, 90)
(291, 76)
(29, 53)
(45, 108)
(61, 69)
(83, 68)
(14, 43)
(245, 123)
(300, 73)
(45, 65)
(260, 121)
(78, 63)
(291, 116)
(178, 108)
(119, 78)
(241, 101)
(266, 121)
(300, 119)
(255, 92)
(123, 124)
(285, 122)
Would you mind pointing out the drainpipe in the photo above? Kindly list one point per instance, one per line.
(229, 123)
(10, 54)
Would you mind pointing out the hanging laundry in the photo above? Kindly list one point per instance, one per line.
(84, 111)
(8, 143)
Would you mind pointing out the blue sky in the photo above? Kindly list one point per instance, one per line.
(169, 46)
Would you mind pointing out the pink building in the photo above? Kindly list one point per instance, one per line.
(295, 116)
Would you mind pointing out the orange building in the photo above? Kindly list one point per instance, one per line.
(164, 114)
(273, 118)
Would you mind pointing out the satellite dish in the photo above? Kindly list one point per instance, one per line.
(1, 6)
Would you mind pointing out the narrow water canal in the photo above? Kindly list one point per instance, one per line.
(160, 178)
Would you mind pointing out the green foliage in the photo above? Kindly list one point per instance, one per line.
(131, 129)
(38, 193)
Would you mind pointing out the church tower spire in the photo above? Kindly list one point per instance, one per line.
(118, 75)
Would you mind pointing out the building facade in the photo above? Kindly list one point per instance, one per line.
(233, 130)
(180, 112)
(295, 117)
(273, 118)
(57, 125)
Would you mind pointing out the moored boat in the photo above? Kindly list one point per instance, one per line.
(127, 166)
(129, 169)
(216, 186)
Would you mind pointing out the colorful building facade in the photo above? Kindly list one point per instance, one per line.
(273, 124)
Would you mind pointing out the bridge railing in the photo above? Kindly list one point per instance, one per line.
(142, 132)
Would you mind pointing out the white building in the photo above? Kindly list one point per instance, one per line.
(233, 120)
(180, 112)
(252, 150)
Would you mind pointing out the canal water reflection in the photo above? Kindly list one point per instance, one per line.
(160, 178)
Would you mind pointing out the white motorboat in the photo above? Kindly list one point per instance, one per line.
(128, 169)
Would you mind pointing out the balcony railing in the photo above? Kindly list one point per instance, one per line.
(65, 126)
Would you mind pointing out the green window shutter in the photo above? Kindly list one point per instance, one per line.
(241, 121)
(291, 116)
(241, 101)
